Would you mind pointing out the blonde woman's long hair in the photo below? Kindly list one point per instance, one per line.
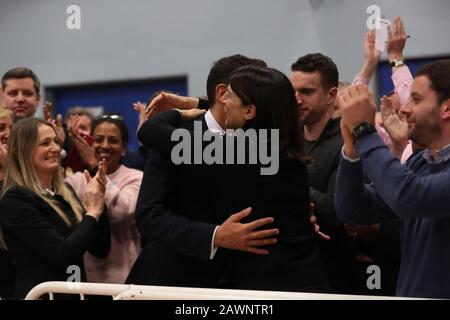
(4, 112)
(20, 169)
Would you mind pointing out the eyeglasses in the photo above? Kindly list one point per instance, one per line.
(112, 116)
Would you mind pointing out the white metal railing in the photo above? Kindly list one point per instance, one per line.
(135, 292)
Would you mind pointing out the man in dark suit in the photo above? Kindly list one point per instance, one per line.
(175, 210)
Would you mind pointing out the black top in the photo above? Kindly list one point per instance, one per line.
(293, 263)
(7, 273)
(41, 246)
(339, 253)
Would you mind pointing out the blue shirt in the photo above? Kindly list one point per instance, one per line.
(419, 194)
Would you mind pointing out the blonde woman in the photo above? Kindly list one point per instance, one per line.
(6, 269)
(44, 225)
(5, 128)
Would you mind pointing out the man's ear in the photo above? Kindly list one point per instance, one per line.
(332, 94)
(445, 107)
(221, 89)
(250, 112)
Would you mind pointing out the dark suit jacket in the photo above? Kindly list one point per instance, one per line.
(294, 262)
(41, 245)
(176, 221)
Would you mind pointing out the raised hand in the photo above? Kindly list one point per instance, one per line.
(139, 107)
(85, 151)
(357, 106)
(101, 173)
(396, 40)
(395, 125)
(167, 101)
(74, 124)
(69, 172)
(95, 191)
(48, 111)
(371, 54)
(56, 124)
(232, 234)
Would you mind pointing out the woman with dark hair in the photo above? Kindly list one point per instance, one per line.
(110, 138)
(259, 99)
(45, 227)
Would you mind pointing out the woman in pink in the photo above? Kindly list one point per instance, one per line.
(110, 137)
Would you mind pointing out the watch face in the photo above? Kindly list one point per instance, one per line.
(363, 129)
(397, 63)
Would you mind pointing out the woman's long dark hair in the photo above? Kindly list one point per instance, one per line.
(271, 92)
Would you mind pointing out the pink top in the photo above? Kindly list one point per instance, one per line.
(402, 79)
(121, 195)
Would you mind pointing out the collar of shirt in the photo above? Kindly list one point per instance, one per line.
(212, 124)
(442, 155)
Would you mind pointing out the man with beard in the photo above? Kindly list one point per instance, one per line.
(416, 192)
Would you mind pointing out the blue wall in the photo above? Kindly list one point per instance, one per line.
(115, 98)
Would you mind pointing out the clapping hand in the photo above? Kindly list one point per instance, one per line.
(56, 124)
(85, 151)
(95, 191)
(396, 40)
(395, 125)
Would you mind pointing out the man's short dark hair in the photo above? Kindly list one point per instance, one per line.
(439, 74)
(223, 68)
(21, 73)
(324, 65)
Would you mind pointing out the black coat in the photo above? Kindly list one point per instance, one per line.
(176, 223)
(293, 263)
(41, 245)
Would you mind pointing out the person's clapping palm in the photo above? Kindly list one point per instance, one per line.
(394, 123)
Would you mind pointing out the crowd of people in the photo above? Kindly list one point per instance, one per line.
(353, 187)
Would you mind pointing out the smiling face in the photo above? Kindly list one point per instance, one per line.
(313, 101)
(5, 129)
(422, 113)
(108, 145)
(46, 153)
(20, 96)
(236, 114)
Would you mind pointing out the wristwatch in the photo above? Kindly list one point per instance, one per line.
(363, 129)
(397, 63)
